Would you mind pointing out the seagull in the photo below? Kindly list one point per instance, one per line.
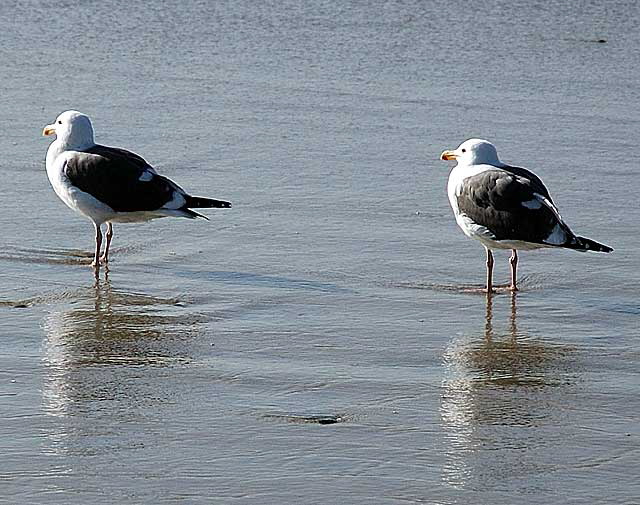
(109, 184)
(506, 207)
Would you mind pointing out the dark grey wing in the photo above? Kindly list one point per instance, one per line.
(534, 181)
(506, 204)
(121, 179)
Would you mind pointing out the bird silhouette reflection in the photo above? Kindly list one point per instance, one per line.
(499, 390)
(105, 357)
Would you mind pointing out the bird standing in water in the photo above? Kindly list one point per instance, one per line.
(506, 207)
(108, 184)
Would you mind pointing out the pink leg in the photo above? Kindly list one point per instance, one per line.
(489, 271)
(109, 235)
(96, 259)
(513, 261)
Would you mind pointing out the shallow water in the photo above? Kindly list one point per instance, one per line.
(321, 340)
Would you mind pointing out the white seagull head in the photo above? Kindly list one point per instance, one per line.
(474, 152)
(73, 129)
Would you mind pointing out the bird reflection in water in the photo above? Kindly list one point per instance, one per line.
(498, 391)
(104, 355)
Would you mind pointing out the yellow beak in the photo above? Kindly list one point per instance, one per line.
(448, 155)
(49, 130)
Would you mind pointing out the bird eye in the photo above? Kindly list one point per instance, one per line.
(464, 150)
(59, 122)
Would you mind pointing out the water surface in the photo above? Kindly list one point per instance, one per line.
(318, 342)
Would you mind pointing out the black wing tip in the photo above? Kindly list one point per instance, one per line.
(586, 244)
(219, 204)
(598, 247)
(199, 202)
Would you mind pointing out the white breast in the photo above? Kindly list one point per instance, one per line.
(73, 197)
(457, 178)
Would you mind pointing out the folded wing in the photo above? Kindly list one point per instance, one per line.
(122, 180)
(513, 204)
